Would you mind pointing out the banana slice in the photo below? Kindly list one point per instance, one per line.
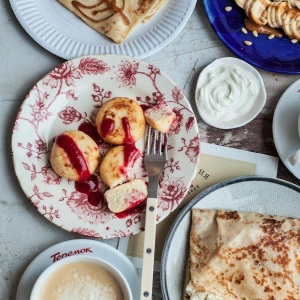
(276, 12)
(256, 10)
(240, 3)
(291, 24)
(295, 3)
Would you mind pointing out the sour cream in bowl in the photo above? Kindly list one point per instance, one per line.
(229, 93)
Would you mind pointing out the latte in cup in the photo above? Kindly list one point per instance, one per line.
(80, 278)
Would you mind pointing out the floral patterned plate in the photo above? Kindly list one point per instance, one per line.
(68, 98)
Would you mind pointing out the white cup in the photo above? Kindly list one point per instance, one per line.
(52, 272)
(294, 159)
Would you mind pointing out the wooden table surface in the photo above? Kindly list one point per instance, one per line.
(24, 233)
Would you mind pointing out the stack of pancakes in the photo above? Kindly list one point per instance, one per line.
(243, 255)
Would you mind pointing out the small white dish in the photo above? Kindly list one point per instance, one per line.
(285, 129)
(240, 118)
(78, 247)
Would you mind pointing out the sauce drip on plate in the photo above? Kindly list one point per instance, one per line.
(135, 209)
(263, 29)
(90, 187)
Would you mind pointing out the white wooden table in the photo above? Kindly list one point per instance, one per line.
(24, 233)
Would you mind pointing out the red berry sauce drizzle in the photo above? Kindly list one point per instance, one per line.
(131, 153)
(74, 154)
(88, 183)
(134, 209)
(91, 130)
(107, 126)
(90, 187)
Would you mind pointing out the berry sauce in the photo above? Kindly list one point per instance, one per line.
(135, 209)
(74, 154)
(128, 139)
(107, 126)
(90, 187)
(131, 153)
(89, 129)
(144, 107)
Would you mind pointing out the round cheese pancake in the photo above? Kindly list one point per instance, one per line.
(74, 155)
(160, 117)
(114, 167)
(120, 121)
(126, 196)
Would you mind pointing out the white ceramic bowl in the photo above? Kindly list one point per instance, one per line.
(48, 272)
(241, 118)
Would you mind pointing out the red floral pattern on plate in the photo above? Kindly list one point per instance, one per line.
(71, 95)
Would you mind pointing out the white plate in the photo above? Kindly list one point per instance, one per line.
(61, 32)
(251, 193)
(70, 95)
(241, 118)
(285, 126)
(87, 247)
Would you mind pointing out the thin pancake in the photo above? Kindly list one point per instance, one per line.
(114, 18)
(240, 255)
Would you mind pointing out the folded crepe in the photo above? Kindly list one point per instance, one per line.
(240, 255)
(114, 18)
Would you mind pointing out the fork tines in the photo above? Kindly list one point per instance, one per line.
(156, 142)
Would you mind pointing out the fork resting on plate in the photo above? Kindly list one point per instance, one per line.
(155, 159)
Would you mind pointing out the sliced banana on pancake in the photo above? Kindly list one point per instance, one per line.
(256, 10)
(291, 24)
(240, 3)
(276, 13)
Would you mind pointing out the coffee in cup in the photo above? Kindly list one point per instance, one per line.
(81, 277)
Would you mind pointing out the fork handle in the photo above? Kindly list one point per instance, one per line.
(149, 248)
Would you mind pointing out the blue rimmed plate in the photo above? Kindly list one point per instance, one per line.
(275, 55)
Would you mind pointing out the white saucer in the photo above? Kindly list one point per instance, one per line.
(94, 248)
(285, 126)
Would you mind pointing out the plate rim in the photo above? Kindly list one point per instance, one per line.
(119, 58)
(246, 58)
(114, 48)
(197, 199)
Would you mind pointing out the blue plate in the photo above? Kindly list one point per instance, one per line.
(275, 55)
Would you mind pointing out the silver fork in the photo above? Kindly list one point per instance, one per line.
(155, 159)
